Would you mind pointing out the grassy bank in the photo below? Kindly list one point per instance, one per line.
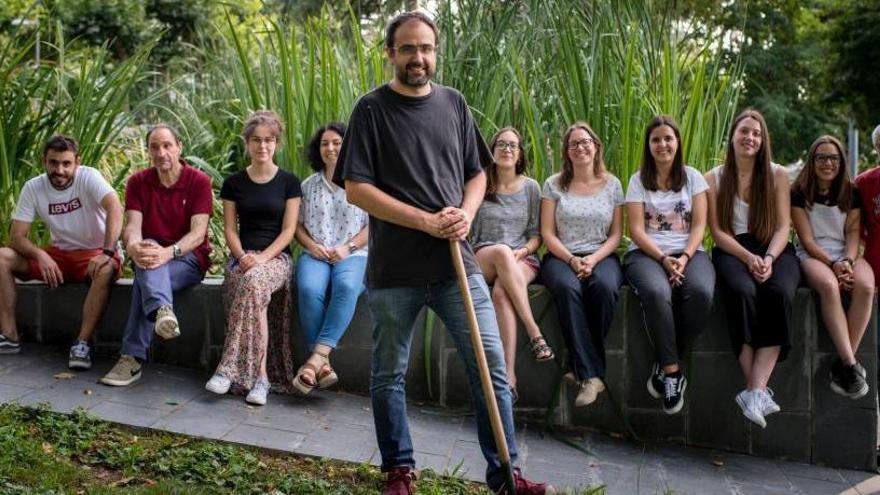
(50, 453)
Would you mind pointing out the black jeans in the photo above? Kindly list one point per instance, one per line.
(674, 316)
(585, 309)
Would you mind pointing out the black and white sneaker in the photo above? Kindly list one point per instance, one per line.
(655, 382)
(847, 380)
(9, 346)
(80, 357)
(674, 385)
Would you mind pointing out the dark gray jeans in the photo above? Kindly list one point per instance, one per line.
(674, 316)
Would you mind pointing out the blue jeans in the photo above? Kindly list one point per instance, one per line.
(394, 310)
(324, 320)
(150, 290)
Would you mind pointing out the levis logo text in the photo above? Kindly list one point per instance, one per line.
(62, 208)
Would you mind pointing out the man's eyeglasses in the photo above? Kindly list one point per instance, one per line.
(583, 143)
(834, 159)
(407, 50)
(506, 145)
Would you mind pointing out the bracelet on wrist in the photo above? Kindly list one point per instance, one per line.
(685, 253)
(109, 252)
(569, 259)
(771, 255)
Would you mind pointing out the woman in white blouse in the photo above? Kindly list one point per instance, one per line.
(582, 224)
(826, 212)
(330, 271)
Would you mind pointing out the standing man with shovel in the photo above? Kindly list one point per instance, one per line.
(413, 159)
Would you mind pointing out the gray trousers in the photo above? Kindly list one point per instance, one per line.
(674, 316)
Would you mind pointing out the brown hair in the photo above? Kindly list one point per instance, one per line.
(808, 185)
(267, 118)
(492, 170)
(762, 204)
(648, 171)
(567, 173)
(60, 142)
(405, 17)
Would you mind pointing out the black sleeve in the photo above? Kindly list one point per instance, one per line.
(229, 190)
(475, 154)
(797, 199)
(292, 187)
(357, 157)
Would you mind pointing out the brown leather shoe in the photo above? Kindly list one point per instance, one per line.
(400, 481)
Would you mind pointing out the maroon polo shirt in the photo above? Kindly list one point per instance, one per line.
(167, 210)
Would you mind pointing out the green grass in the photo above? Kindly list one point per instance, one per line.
(50, 453)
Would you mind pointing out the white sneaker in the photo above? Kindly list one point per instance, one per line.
(166, 323)
(258, 394)
(218, 384)
(750, 404)
(768, 405)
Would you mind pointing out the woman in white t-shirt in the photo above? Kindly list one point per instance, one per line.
(825, 210)
(666, 265)
(582, 224)
(749, 212)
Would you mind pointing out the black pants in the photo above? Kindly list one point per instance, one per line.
(758, 314)
(585, 309)
(674, 316)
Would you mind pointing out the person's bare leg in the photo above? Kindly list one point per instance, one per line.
(862, 301)
(507, 329)
(824, 282)
(96, 301)
(746, 358)
(11, 263)
(762, 366)
(263, 322)
(515, 278)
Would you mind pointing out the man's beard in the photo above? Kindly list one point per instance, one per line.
(415, 81)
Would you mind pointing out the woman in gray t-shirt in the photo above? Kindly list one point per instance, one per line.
(581, 224)
(505, 238)
(666, 208)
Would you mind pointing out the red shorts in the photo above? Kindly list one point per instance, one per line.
(74, 265)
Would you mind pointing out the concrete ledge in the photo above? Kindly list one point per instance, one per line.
(815, 424)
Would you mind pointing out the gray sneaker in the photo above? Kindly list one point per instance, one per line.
(9, 346)
(126, 372)
(80, 356)
(166, 323)
(258, 394)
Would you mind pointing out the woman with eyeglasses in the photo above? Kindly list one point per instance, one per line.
(330, 270)
(260, 208)
(825, 210)
(505, 237)
(666, 265)
(582, 224)
(749, 216)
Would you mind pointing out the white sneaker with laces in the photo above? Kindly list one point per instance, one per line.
(768, 405)
(750, 404)
(258, 394)
(218, 384)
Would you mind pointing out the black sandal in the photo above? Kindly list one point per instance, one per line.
(540, 350)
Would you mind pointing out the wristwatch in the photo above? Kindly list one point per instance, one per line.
(352, 247)
(177, 252)
(109, 252)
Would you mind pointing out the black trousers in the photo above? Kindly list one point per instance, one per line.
(758, 314)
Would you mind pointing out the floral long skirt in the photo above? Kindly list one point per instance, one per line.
(265, 287)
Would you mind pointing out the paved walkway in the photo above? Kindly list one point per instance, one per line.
(340, 426)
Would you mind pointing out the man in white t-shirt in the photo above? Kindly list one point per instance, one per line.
(84, 217)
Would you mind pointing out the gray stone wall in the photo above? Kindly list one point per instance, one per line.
(815, 424)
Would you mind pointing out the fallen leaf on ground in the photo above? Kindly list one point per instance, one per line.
(87, 391)
(47, 447)
(122, 482)
(172, 403)
(63, 376)
(717, 461)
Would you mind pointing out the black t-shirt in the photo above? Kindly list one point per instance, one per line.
(421, 151)
(260, 207)
(798, 200)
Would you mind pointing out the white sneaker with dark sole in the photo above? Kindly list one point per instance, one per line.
(8, 346)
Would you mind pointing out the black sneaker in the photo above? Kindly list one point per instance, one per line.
(8, 346)
(847, 380)
(655, 382)
(674, 385)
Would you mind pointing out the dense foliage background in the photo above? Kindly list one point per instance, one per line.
(103, 70)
